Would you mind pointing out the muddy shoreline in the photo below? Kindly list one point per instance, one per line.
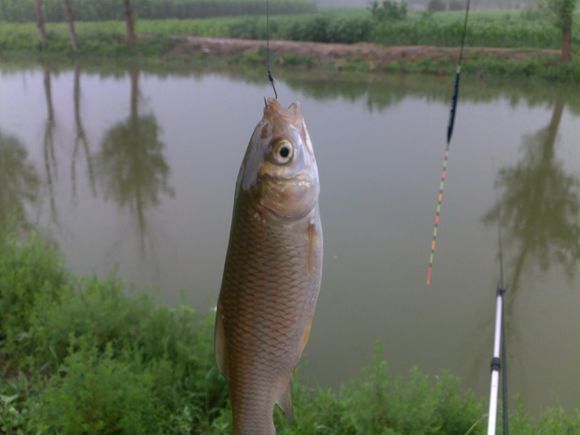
(376, 56)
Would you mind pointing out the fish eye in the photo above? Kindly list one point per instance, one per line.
(282, 152)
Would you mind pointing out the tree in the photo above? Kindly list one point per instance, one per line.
(130, 20)
(71, 25)
(40, 22)
(562, 12)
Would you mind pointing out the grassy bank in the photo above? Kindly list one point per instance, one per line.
(509, 29)
(161, 39)
(83, 355)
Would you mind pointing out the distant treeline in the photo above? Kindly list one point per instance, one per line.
(94, 10)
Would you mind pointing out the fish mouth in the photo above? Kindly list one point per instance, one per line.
(274, 111)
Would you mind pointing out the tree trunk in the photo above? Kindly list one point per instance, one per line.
(40, 22)
(130, 20)
(71, 25)
(567, 40)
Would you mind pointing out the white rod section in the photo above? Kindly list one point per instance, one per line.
(495, 366)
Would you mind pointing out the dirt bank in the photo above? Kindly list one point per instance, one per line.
(374, 55)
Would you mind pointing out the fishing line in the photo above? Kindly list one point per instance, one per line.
(268, 61)
(450, 126)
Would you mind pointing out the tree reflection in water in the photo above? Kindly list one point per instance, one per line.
(19, 181)
(540, 205)
(131, 165)
(50, 164)
(81, 140)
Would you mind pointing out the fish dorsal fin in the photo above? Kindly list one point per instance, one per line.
(285, 402)
(220, 343)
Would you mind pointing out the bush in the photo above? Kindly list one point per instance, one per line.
(29, 271)
(97, 393)
(388, 10)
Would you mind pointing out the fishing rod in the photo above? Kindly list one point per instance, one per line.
(499, 359)
(268, 60)
(450, 125)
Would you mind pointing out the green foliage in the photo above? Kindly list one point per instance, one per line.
(97, 10)
(14, 413)
(388, 404)
(388, 10)
(561, 12)
(487, 29)
(96, 393)
(29, 271)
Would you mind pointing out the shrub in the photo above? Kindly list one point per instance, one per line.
(388, 10)
(29, 270)
(96, 393)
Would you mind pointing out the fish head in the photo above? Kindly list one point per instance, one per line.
(279, 169)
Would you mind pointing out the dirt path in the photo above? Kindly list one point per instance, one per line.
(374, 54)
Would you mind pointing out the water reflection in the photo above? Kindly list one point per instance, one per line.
(18, 181)
(382, 92)
(131, 165)
(81, 139)
(50, 161)
(540, 205)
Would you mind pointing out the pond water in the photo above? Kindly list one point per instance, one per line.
(134, 171)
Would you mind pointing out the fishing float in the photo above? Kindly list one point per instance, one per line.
(450, 125)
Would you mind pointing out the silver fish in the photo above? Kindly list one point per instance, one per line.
(272, 272)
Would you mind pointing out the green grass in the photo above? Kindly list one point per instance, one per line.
(84, 355)
(510, 29)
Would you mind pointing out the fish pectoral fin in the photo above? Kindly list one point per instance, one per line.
(220, 343)
(285, 402)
